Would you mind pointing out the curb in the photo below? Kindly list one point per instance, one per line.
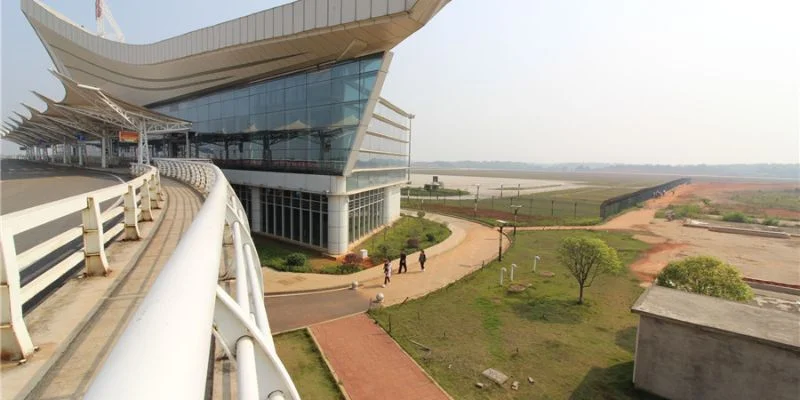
(309, 291)
(339, 385)
(59, 352)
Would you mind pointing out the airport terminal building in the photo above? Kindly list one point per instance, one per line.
(287, 101)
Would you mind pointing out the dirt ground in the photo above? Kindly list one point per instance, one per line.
(721, 192)
(776, 260)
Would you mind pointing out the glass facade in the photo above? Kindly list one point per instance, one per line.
(364, 179)
(299, 216)
(303, 122)
(365, 213)
(243, 193)
(385, 147)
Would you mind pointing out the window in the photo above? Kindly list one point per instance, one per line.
(365, 213)
(295, 215)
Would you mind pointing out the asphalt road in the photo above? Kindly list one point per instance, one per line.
(287, 312)
(24, 184)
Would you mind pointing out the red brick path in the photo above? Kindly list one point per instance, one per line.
(370, 364)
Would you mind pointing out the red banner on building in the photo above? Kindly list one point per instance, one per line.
(128, 137)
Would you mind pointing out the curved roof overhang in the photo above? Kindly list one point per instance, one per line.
(85, 111)
(298, 35)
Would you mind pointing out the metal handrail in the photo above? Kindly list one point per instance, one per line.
(16, 342)
(163, 352)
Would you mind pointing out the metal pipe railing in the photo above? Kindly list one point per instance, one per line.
(163, 352)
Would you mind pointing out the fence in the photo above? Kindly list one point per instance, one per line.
(26, 275)
(503, 207)
(616, 204)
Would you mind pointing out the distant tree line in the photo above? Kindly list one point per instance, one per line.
(786, 171)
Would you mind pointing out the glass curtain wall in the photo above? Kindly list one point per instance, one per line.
(299, 216)
(365, 213)
(302, 122)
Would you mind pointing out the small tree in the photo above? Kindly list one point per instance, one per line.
(705, 275)
(586, 258)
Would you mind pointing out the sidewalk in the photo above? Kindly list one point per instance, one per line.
(468, 246)
(370, 365)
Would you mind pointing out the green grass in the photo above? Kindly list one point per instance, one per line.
(305, 365)
(418, 191)
(273, 252)
(571, 351)
(395, 237)
(575, 207)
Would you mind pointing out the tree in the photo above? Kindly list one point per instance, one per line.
(705, 275)
(586, 258)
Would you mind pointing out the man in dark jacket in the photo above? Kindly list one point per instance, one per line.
(403, 267)
(422, 259)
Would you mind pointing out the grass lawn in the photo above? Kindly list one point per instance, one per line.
(396, 237)
(273, 252)
(575, 207)
(571, 351)
(419, 191)
(305, 365)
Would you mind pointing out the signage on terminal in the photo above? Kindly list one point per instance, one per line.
(128, 137)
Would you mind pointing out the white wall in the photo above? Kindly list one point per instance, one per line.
(288, 181)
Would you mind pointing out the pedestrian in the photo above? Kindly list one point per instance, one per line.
(422, 259)
(403, 267)
(387, 273)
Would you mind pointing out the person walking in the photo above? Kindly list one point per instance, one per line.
(387, 273)
(403, 266)
(422, 259)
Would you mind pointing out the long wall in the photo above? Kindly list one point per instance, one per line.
(683, 361)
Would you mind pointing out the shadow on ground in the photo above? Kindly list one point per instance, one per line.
(557, 311)
(610, 383)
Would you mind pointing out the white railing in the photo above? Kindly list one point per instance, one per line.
(134, 207)
(163, 352)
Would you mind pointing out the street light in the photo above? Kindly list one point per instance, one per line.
(516, 209)
(535, 261)
(477, 196)
(500, 243)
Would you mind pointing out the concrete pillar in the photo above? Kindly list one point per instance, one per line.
(391, 204)
(338, 239)
(93, 240)
(255, 209)
(80, 154)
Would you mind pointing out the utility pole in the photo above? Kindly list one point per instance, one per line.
(500, 245)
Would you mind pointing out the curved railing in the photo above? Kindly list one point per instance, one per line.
(26, 275)
(163, 352)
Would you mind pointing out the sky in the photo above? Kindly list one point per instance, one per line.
(668, 82)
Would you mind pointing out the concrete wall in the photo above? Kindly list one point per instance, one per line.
(681, 361)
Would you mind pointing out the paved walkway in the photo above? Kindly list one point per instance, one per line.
(77, 326)
(370, 364)
(469, 245)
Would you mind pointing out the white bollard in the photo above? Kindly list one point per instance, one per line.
(511, 277)
(535, 260)
(502, 275)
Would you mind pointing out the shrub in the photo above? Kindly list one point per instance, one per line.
(735, 217)
(345, 269)
(412, 243)
(430, 237)
(296, 259)
(295, 268)
(420, 214)
(705, 275)
(352, 259)
(771, 221)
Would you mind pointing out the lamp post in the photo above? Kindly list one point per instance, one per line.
(535, 260)
(516, 209)
(477, 197)
(500, 242)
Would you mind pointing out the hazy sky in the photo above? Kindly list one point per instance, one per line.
(634, 81)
